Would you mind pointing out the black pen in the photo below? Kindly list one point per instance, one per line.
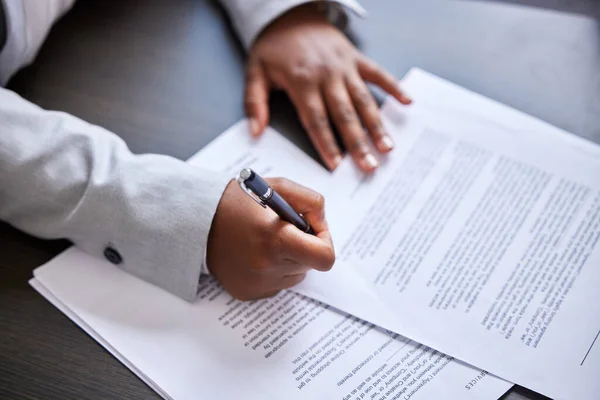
(263, 194)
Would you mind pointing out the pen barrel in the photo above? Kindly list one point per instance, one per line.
(287, 213)
(277, 203)
(257, 184)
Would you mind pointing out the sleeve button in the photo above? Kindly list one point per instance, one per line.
(113, 255)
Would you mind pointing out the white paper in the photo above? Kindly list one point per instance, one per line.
(288, 346)
(480, 232)
(40, 288)
(285, 347)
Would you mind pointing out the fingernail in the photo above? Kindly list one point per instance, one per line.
(369, 162)
(405, 100)
(254, 128)
(336, 161)
(386, 143)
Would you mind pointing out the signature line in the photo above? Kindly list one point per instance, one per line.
(588, 352)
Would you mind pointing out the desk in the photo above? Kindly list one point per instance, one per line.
(167, 76)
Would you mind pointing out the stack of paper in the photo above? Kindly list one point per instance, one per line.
(477, 237)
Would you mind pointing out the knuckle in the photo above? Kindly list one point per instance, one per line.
(369, 114)
(330, 151)
(283, 185)
(375, 127)
(338, 98)
(251, 102)
(251, 76)
(252, 72)
(302, 72)
(279, 182)
(363, 99)
(358, 147)
(301, 76)
(346, 115)
(330, 259)
(317, 121)
(328, 71)
(318, 201)
(341, 52)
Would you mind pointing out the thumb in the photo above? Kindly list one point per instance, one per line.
(256, 99)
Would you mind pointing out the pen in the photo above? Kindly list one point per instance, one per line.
(263, 194)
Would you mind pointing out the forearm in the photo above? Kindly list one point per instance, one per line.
(63, 178)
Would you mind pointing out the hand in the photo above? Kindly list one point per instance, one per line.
(324, 75)
(255, 254)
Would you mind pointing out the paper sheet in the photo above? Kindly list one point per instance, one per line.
(485, 222)
(288, 346)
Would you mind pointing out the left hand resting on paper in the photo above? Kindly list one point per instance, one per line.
(324, 75)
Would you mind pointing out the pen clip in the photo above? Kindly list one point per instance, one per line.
(250, 193)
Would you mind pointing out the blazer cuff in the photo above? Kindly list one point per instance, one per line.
(252, 17)
(163, 238)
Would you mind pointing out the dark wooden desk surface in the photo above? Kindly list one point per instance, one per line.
(167, 77)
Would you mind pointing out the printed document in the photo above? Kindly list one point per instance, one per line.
(477, 237)
(480, 231)
(288, 346)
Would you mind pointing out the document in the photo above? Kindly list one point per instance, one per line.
(477, 238)
(289, 346)
(480, 231)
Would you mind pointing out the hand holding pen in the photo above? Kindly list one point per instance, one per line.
(253, 251)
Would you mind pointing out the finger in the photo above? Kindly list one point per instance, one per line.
(345, 118)
(373, 73)
(290, 266)
(251, 296)
(316, 252)
(369, 113)
(281, 283)
(292, 280)
(271, 293)
(256, 98)
(313, 116)
(303, 200)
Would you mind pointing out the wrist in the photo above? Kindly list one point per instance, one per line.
(314, 11)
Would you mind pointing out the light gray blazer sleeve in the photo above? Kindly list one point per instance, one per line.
(61, 177)
(250, 17)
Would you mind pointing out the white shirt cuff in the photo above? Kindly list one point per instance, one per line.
(204, 267)
(250, 17)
